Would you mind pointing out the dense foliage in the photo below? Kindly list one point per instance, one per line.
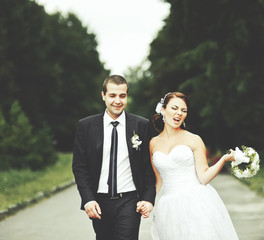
(21, 146)
(213, 52)
(49, 63)
(51, 75)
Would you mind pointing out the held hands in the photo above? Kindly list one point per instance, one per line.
(93, 209)
(144, 208)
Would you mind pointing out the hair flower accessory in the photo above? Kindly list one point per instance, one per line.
(136, 141)
(158, 107)
(248, 159)
(160, 103)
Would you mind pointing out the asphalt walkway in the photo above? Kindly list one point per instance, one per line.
(58, 218)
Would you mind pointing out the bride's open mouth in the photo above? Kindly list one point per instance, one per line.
(177, 120)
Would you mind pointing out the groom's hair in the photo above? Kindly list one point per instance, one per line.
(115, 79)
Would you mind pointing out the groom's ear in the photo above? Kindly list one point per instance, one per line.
(103, 96)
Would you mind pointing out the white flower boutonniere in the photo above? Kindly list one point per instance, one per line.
(136, 141)
(248, 159)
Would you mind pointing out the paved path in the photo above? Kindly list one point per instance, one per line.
(58, 218)
(246, 208)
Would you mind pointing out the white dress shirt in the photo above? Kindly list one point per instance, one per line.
(124, 175)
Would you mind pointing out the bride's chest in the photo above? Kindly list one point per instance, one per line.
(180, 157)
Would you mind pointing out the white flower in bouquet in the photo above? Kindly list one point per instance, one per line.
(240, 157)
(248, 158)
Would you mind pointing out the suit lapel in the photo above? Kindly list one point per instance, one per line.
(129, 133)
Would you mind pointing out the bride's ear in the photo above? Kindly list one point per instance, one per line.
(162, 111)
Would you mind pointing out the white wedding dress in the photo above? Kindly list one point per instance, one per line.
(187, 209)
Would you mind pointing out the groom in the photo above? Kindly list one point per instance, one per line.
(113, 173)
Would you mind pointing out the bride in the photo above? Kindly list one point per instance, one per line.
(189, 208)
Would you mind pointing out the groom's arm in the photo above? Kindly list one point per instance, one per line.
(149, 180)
(145, 206)
(80, 166)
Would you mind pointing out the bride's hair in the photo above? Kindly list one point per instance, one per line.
(157, 118)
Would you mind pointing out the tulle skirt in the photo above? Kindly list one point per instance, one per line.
(192, 213)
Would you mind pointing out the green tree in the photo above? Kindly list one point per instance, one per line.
(79, 78)
(22, 147)
(3, 143)
(51, 65)
(210, 50)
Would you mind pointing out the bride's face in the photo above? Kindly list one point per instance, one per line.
(175, 112)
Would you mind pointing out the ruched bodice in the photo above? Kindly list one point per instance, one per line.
(177, 168)
(187, 209)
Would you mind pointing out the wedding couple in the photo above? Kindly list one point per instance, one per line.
(118, 169)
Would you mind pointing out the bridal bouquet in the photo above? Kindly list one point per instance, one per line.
(246, 164)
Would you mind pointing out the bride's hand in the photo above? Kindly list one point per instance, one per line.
(144, 208)
(229, 156)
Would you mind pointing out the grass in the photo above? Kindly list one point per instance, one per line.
(16, 187)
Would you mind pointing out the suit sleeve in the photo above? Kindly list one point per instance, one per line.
(149, 180)
(80, 166)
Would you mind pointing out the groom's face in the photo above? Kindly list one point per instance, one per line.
(115, 99)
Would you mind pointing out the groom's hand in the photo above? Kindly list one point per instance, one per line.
(144, 208)
(93, 209)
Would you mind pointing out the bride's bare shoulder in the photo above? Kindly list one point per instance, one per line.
(194, 139)
(153, 142)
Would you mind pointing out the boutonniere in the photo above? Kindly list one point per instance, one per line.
(136, 141)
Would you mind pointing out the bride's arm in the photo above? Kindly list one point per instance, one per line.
(158, 178)
(204, 172)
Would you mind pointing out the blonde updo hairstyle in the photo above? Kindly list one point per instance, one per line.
(157, 119)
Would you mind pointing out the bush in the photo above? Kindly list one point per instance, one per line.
(21, 146)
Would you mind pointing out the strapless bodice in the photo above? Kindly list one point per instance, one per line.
(177, 168)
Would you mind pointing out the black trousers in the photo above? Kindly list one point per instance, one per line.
(119, 219)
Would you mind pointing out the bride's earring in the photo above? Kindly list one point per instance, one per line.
(163, 118)
(183, 124)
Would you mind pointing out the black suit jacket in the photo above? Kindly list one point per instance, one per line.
(87, 157)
